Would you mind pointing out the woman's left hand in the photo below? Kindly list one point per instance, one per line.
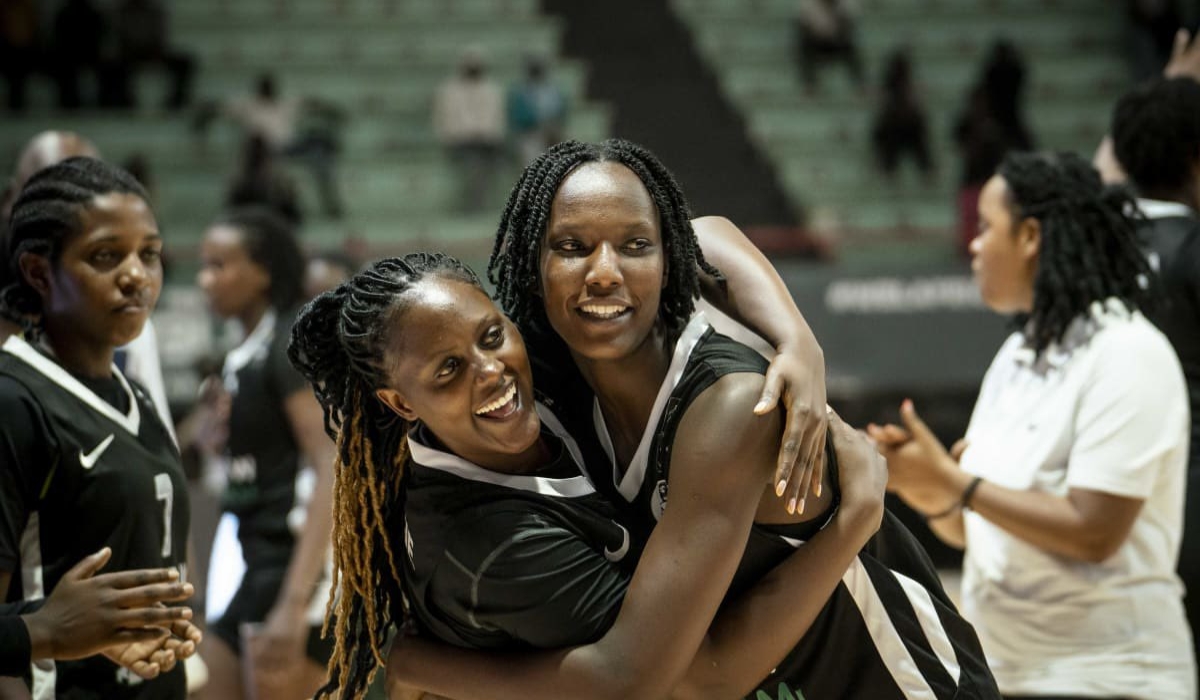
(799, 378)
(277, 648)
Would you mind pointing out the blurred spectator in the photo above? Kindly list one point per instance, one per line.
(42, 151)
(1004, 80)
(826, 32)
(990, 125)
(18, 48)
(138, 165)
(304, 129)
(468, 119)
(142, 40)
(1149, 30)
(261, 181)
(80, 33)
(537, 111)
(901, 126)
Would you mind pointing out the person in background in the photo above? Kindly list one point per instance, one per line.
(537, 110)
(260, 181)
(280, 469)
(85, 462)
(1067, 491)
(468, 120)
(825, 31)
(143, 39)
(901, 126)
(1156, 140)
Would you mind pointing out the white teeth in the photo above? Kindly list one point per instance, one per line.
(603, 311)
(508, 396)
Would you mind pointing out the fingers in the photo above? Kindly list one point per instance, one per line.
(144, 669)
(137, 577)
(154, 616)
(143, 596)
(789, 451)
(164, 658)
(957, 449)
(1180, 44)
(89, 565)
(772, 387)
(916, 427)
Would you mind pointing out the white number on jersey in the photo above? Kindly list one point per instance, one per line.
(165, 492)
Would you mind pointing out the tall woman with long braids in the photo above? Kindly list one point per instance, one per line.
(453, 480)
(599, 265)
(252, 272)
(1068, 497)
(85, 462)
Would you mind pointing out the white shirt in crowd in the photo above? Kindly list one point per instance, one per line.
(1106, 410)
(469, 110)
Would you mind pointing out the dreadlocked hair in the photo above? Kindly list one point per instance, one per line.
(513, 267)
(46, 214)
(270, 242)
(1156, 134)
(1088, 251)
(339, 343)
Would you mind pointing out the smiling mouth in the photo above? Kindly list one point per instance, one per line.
(603, 312)
(503, 407)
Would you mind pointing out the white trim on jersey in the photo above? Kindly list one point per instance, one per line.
(572, 487)
(631, 483)
(253, 345)
(131, 422)
(892, 651)
(44, 672)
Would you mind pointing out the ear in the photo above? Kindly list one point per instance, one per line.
(1029, 237)
(396, 402)
(37, 271)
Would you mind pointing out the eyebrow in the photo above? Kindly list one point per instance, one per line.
(155, 237)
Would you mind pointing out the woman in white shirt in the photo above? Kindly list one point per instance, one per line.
(1067, 491)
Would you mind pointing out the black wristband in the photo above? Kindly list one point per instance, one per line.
(968, 492)
(954, 508)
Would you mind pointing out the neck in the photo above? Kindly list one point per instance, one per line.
(627, 387)
(530, 461)
(81, 358)
(1186, 195)
(250, 316)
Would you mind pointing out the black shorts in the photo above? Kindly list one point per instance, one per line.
(252, 602)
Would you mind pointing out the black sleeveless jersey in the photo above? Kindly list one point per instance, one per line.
(499, 561)
(80, 473)
(264, 458)
(888, 632)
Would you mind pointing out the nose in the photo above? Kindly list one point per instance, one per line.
(604, 269)
(133, 275)
(489, 368)
(973, 246)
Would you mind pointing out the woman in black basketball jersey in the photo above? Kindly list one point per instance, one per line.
(598, 259)
(252, 272)
(453, 481)
(84, 460)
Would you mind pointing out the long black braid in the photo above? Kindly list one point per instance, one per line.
(1088, 249)
(339, 343)
(514, 267)
(47, 213)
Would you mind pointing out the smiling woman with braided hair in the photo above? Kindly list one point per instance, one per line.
(460, 503)
(1068, 497)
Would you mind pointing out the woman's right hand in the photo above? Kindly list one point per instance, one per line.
(862, 477)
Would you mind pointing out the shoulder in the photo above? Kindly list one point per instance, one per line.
(1127, 336)
(720, 425)
(17, 397)
(502, 537)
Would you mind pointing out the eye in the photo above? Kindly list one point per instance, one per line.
(568, 245)
(494, 338)
(448, 368)
(104, 257)
(151, 255)
(637, 245)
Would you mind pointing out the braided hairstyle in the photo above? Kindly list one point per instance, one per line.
(46, 214)
(270, 242)
(1156, 134)
(1088, 250)
(514, 265)
(339, 343)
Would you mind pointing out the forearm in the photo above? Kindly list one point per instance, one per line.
(754, 294)
(949, 529)
(737, 655)
(1049, 522)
